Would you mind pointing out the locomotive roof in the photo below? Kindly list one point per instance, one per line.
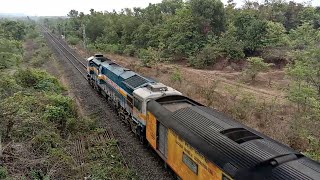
(131, 79)
(237, 149)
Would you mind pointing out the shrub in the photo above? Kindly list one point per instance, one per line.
(207, 56)
(80, 125)
(130, 50)
(37, 79)
(9, 60)
(231, 46)
(145, 57)
(256, 65)
(65, 103)
(113, 48)
(73, 40)
(8, 86)
(176, 75)
(32, 35)
(3, 173)
(44, 141)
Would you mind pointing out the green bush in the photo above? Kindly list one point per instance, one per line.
(44, 141)
(8, 86)
(176, 75)
(130, 50)
(231, 47)
(256, 65)
(113, 48)
(73, 40)
(39, 80)
(65, 103)
(206, 57)
(33, 35)
(80, 125)
(145, 57)
(3, 173)
(9, 60)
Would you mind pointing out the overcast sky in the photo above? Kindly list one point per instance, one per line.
(62, 7)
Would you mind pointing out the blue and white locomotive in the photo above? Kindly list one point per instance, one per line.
(126, 90)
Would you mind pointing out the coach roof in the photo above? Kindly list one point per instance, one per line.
(235, 148)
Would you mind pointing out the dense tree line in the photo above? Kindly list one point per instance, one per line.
(200, 31)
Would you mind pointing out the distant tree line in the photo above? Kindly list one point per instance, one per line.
(200, 31)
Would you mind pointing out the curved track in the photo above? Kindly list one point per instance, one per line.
(144, 162)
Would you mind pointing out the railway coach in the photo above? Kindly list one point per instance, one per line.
(195, 141)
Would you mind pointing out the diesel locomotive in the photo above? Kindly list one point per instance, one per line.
(195, 141)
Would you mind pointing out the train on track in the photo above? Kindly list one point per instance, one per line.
(195, 141)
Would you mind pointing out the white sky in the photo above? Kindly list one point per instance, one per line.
(62, 7)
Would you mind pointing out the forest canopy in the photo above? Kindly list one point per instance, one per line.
(183, 30)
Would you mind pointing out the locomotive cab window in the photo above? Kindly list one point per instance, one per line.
(190, 163)
(138, 104)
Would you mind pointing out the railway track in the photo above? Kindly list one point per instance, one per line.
(80, 66)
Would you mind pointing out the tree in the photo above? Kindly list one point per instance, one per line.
(275, 35)
(256, 65)
(73, 13)
(251, 30)
(306, 69)
(304, 36)
(180, 35)
(14, 29)
(230, 45)
(210, 13)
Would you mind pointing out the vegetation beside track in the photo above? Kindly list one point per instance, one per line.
(42, 135)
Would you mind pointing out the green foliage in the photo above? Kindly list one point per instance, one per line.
(11, 46)
(106, 162)
(38, 174)
(13, 29)
(304, 36)
(8, 60)
(73, 40)
(250, 30)
(129, 50)
(39, 80)
(146, 57)
(177, 75)
(81, 125)
(41, 56)
(3, 173)
(179, 30)
(206, 57)
(184, 43)
(229, 44)
(210, 12)
(44, 141)
(111, 48)
(8, 86)
(275, 35)
(256, 65)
